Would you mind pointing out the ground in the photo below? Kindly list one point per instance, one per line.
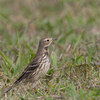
(75, 56)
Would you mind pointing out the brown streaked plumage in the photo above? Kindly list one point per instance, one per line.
(38, 67)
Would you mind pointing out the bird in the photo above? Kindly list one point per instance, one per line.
(38, 67)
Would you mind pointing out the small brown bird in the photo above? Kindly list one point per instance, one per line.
(38, 67)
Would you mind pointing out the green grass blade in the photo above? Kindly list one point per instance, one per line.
(6, 59)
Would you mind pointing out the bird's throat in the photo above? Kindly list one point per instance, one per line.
(46, 50)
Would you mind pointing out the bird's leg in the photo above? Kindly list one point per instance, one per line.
(34, 85)
(35, 90)
(46, 90)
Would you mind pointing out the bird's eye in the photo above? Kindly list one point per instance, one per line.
(47, 40)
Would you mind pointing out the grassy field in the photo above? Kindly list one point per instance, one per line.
(75, 56)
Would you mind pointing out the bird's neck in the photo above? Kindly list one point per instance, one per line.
(42, 50)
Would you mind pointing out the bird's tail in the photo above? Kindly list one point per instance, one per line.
(7, 90)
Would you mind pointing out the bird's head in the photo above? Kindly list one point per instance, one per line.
(46, 42)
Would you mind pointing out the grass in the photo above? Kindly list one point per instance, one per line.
(75, 56)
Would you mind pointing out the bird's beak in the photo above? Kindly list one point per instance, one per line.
(54, 39)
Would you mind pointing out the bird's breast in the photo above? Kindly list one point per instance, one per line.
(42, 69)
(45, 65)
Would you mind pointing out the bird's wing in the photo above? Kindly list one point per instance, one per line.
(28, 71)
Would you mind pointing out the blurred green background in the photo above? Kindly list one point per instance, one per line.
(75, 57)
